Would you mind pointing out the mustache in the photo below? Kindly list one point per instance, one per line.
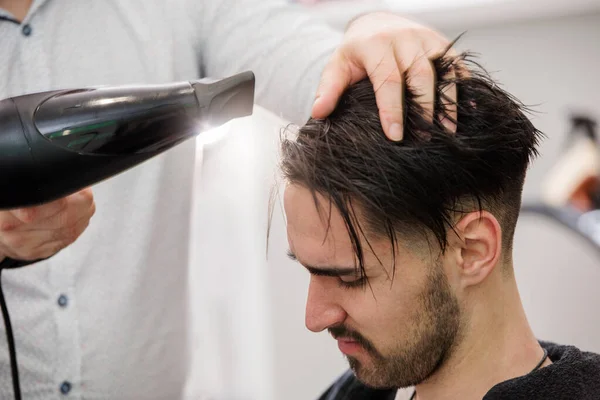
(341, 331)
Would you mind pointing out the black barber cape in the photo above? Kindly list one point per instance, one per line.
(573, 375)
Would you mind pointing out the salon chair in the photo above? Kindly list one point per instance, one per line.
(557, 267)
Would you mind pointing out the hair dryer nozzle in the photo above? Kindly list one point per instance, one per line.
(225, 99)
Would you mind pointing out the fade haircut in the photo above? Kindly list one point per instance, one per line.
(416, 188)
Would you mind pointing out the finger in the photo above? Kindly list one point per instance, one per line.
(388, 82)
(47, 250)
(29, 215)
(336, 77)
(4, 251)
(448, 101)
(8, 222)
(71, 232)
(458, 66)
(421, 79)
(389, 95)
(449, 92)
(19, 246)
(408, 57)
(78, 205)
(67, 237)
(36, 244)
(87, 193)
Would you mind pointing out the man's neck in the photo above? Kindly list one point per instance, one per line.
(18, 8)
(497, 345)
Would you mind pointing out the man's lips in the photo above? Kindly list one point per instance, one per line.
(348, 346)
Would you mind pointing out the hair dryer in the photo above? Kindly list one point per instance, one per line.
(55, 143)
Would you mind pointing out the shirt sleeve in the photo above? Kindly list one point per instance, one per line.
(285, 47)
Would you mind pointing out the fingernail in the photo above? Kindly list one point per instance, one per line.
(317, 109)
(316, 102)
(395, 131)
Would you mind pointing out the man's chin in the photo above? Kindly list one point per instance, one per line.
(379, 376)
(366, 373)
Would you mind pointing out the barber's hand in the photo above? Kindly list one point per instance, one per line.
(383, 46)
(40, 232)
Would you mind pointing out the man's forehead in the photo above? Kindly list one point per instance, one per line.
(307, 217)
(309, 236)
(312, 241)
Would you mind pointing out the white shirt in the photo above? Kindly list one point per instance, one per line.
(108, 317)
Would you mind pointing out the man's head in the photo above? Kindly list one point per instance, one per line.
(400, 237)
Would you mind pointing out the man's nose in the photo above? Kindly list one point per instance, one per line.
(322, 310)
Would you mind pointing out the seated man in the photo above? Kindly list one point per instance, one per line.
(409, 248)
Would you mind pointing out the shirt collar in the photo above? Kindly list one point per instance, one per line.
(5, 14)
(34, 7)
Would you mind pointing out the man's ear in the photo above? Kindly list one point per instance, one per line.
(478, 248)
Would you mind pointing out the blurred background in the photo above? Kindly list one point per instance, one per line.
(250, 338)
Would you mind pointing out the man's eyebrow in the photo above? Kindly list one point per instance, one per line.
(326, 271)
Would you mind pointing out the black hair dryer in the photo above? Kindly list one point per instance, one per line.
(55, 143)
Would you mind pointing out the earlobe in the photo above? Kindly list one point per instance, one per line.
(480, 247)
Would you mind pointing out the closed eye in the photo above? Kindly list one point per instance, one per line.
(335, 272)
(357, 283)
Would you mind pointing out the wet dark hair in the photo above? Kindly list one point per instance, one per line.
(416, 187)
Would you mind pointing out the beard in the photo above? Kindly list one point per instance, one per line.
(433, 334)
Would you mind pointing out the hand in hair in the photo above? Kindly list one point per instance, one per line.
(383, 47)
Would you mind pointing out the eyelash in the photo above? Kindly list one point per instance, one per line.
(360, 282)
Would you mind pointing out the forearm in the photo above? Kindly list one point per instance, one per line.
(286, 49)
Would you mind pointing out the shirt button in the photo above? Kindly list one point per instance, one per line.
(65, 387)
(26, 30)
(63, 300)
